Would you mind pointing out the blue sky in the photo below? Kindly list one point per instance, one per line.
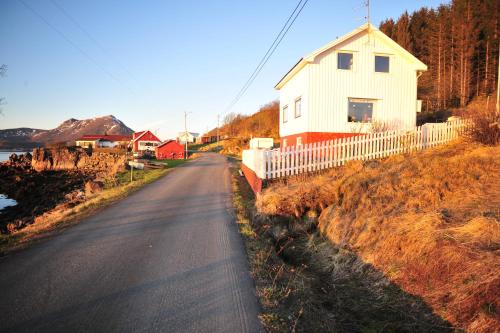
(156, 59)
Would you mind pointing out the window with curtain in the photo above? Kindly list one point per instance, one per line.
(344, 60)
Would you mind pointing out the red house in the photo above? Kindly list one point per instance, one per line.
(144, 142)
(170, 150)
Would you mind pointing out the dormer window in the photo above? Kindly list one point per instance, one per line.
(344, 60)
(381, 64)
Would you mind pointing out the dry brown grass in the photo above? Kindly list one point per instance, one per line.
(305, 283)
(429, 221)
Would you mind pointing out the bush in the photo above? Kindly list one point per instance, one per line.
(485, 127)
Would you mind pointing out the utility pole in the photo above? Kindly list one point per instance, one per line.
(498, 85)
(185, 134)
(218, 130)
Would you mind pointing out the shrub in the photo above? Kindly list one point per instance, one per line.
(485, 127)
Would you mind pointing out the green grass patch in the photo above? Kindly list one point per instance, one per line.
(197, 146)
(172, 163)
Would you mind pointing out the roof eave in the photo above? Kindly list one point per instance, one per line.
(291, 73)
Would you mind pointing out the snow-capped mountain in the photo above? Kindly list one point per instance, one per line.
(68, 131)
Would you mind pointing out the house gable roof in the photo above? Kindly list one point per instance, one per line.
(142, 133)
(310, 58)
(193, 134)
(167, 142)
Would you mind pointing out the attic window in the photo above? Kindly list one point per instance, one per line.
(344, 60)
(381, 64)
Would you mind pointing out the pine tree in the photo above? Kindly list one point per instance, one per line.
(459, 42)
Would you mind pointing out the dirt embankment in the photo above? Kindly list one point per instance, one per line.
(429, 222)
(50, 179)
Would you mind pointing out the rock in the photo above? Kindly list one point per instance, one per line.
(93, 186)
(22, 161)
(71, 158)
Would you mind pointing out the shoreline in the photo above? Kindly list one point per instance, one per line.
(61, 216)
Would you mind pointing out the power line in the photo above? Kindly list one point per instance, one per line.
(90, 37)
(284, 30)
(268, 50)
(69, 41)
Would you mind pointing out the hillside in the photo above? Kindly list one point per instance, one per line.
(68, 131)
(263, 123)
(428, 221)
(237, 130)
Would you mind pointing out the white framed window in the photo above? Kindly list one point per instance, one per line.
(360, 110)
(344, 60)
(382, 64)
(298, 107)
(299, 141)
(285, 114)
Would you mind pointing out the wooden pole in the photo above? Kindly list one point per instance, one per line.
(498, 84)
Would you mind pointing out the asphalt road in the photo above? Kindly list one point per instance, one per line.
(168, 258)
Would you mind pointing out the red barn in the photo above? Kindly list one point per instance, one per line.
(170, 150)
(144, 141)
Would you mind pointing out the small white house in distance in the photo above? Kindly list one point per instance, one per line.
(358, 82)
(190, 137)
(261, 143)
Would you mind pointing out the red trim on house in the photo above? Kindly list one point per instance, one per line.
(252, 179)
(311, 137)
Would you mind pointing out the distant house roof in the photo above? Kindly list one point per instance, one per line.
(138, 135)
(310, 58)
(93, 137)
(166, 142)
(192, 134)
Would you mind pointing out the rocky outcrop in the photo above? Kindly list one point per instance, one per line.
(70, 158)
(22, 161)
(36, 192)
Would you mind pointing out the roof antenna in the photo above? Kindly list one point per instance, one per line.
(368, 11)
(367, 17)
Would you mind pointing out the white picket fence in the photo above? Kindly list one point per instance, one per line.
(293, 160)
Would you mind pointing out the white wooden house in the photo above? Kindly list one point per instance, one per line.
(358, 82)
(190, 137)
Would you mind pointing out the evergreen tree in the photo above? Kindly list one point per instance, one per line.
(459, 42)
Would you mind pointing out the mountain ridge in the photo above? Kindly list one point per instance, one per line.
(68, 131)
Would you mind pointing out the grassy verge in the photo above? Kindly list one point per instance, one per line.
(261, 255)
(304, 283)
(427, 221)
(63, 216)
(172, 163)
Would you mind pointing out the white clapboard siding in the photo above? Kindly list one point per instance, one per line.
(332, 153)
